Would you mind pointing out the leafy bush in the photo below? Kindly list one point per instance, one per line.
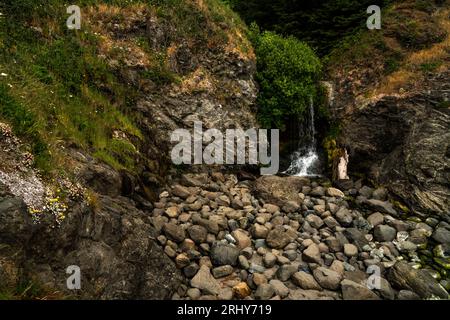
(288, 71)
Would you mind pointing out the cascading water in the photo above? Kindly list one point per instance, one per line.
(305, 161)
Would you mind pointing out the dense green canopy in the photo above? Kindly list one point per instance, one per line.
(321, 23)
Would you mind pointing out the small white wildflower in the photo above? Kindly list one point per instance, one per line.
(10, 85)
(3, 74)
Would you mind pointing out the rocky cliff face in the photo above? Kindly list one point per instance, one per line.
(403, 143)
(95, 215)
(210, 71)
(394, 110)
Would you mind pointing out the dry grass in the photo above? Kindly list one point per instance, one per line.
(410, 73)
(199, 80)
(439, 51)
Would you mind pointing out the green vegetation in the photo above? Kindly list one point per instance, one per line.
(25, 124)
(58, 86)
(288, 71)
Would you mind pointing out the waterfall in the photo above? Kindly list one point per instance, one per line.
(305, 160)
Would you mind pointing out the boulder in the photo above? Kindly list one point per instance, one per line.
(278, 238)
(204, 281)
(279, 190)
(403, 276)
(327, 279)
(224, 254)
(384, 233)
(305, 281)
(355, 291)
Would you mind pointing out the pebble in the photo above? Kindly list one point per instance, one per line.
(280, 288)
(264, 292)
(222, 271)
(350, 250)
(270, 260)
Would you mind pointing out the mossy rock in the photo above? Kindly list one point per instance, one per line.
(443, 262)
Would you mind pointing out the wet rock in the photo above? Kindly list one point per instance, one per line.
(381, 206)
(421, 282)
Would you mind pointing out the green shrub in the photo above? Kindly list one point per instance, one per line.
(288, 71)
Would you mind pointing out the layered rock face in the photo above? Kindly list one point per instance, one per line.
(393, 108)
(402, 142)
(210, 76)
(112, 245)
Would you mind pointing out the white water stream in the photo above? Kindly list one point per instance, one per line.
(304, 161)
